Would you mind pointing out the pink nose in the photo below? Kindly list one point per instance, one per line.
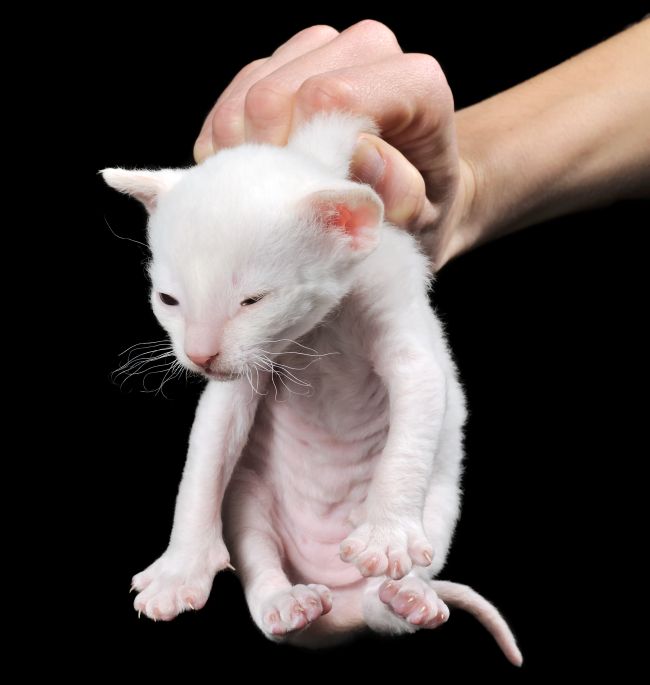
(202, 359)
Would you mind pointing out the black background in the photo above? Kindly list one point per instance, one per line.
(542, 324)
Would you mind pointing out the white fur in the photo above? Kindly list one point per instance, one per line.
(342, 424)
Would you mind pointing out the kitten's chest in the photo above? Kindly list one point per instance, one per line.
(317, 438)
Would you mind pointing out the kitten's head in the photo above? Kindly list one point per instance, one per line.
(254, 247)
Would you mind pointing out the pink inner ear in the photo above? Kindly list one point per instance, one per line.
(349, 219)
(355, 212)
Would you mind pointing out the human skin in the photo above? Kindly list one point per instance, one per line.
(571, 138)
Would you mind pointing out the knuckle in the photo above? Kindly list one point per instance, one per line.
(265, 102)
(324, 92)
(320, 32)
(428, 71)
(375, 29)
(312, 35)
(425, 66)
(250, 67)
(424, 63)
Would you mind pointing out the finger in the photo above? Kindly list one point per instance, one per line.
(409, 99)
(399, 184)
(302, 42)
(203, 146)
(229, 127)
(269, 103)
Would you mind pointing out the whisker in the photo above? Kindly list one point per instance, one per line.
(295, 368)
(167, 377)
(141, 354)
(265, 363)
(257, 382)
(295, 342)
(131, 368)
(281, 376)
(164, 370)
(145, 344)
(256, 385)
(274, 385)
(166, 365)
(247, 373)
(291, 376)
(304, 354)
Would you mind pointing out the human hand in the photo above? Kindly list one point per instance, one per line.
(416, 169)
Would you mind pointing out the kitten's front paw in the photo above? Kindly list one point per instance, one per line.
(177, 582)
(386, 549)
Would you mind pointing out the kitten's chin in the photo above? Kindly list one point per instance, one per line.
(222, 375)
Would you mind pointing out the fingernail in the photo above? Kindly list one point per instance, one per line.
(367, 162)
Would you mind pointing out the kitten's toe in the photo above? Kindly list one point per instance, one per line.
(174, 583)
(294, 609)
(386, 549)
(414, 601)
(141, 580)
(164, 600)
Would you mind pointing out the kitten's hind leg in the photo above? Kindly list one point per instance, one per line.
(277, 607)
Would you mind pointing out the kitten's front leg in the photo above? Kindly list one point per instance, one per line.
(391, 537)
(182, 577)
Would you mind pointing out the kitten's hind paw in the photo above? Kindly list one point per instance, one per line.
(415, 601)
(294, 609)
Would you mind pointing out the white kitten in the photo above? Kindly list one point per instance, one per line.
(331, 426)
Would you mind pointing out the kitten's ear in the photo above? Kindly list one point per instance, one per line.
(356, 211)
(146, 186)
(331, 137)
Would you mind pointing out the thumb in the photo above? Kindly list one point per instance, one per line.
(399, 184)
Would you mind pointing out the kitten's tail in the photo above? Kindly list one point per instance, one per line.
(463, 597)
(330, 137)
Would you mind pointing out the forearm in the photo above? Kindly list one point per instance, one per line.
(402, 475)
(574, 137)
(411, 372)
(220, 430)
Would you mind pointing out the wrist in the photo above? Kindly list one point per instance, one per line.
(568, 139)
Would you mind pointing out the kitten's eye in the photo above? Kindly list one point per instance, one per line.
(251, 300)
(168, 299)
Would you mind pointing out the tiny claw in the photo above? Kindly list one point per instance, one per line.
(422, 610)
(132, 588)
(191, 606)
(428, 556)
(410, 599)
(230, 566)
(139, 612)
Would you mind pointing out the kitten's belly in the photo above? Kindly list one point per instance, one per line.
(317, 456)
